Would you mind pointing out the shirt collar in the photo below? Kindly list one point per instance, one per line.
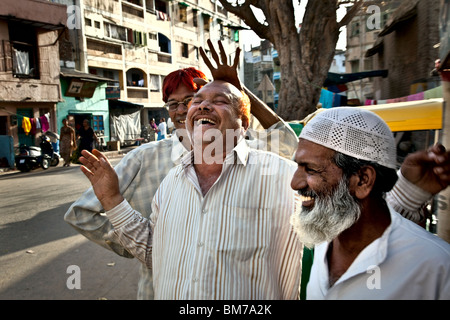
(373, 255)
(239, 155)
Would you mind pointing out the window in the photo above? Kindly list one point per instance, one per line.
(136, 2)
(139, 38)
(194, 18)
(221, 31)
(116, 32)
(97, 24)
(355, 66)
(155, 84)
(355, 29)
(135, 78)
(23, 50)
(152, 36)
(206, 22)
(160, 6)
(197, 56)
(88, 22)
(97, 123)
(150, 5)
(183, 13)
(164, 43)
(184, 50)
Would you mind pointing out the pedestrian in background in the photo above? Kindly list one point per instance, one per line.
(87, 136)
(162, 129)
(68, 142)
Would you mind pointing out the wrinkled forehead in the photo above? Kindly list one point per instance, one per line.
(308, 151)
(219, 88)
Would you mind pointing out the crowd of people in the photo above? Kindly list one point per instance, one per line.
(212, 216)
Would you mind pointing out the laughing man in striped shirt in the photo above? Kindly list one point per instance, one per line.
(219, 227)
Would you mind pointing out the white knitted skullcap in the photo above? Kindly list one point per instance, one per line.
(355, 132)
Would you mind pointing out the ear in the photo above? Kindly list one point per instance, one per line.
(245, 123)
(362, 182)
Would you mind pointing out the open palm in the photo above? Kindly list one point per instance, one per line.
(223, 71)
(103, 178)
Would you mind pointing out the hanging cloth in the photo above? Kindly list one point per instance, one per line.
(33, 126)
(26, 125)
(44, 123)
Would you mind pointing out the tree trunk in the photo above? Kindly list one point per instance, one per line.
(305, 66)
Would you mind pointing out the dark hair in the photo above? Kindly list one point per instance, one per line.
(385, 179)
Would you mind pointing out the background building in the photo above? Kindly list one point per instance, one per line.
(29, 68)
(407, 48)
(259, 72)
(134, 44)
(362, 34)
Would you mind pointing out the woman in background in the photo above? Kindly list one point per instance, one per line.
(67, 143)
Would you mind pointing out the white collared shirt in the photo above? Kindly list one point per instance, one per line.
(406, 262)
(236, 242)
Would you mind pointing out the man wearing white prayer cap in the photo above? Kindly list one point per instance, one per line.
(363, 249)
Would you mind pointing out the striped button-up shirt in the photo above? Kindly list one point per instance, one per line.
(235, 242)
(140, 173)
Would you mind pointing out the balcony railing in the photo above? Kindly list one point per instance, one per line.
(137, 93)
(164, 57)
(133, 9)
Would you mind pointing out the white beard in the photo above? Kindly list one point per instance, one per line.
(330, 216)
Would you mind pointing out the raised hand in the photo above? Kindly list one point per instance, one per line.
(223, 71)
(103, 178)
(429, 170)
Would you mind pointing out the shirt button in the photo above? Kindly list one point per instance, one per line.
(200, 244)
(195, 279)
(204, 211)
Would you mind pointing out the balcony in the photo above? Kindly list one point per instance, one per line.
(133, 10)
(104, 49)
(137, 93)
(164, 57)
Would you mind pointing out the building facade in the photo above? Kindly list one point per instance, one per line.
(362, 34)
(407, 47)
(136, 43)
(259, 72)
(29, 68)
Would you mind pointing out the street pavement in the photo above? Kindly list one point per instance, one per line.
(44, 258)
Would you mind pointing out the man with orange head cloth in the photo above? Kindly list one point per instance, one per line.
(141, 171)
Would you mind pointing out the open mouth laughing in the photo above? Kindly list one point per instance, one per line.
(205, 121)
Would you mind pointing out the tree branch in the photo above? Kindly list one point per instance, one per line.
(351, 13)
(245, 12)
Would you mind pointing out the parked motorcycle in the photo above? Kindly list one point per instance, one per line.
(31, 157)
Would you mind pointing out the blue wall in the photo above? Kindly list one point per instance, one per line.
(97, 105)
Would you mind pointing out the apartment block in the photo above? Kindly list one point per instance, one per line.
(29, 67)
(136, 43)
(362, 34)
(407, 47)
